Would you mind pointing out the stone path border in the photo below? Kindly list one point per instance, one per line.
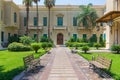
(61, 64)
(83, 65)
(45, 59)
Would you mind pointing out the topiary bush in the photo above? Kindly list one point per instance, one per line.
(85, 49)
(26, 40)
(44, 45)
(116, 48)
(97, 45)
(43, 39)
(18, 47)
(50, 44)
(36, 46)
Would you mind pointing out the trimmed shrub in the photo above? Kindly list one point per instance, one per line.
(26, 40)
(116, 48)
(18, 47)
(36, 46)
(43, 39)
(13, 38)
(97, 45)
(85, 49)
(44, 45)
(50, 45)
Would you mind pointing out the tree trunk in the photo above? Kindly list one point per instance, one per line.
(27, 10)
(49, 25)
(37, 22)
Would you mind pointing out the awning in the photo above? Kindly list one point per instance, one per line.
(109, 16)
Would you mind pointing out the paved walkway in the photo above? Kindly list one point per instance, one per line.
(62, 68)
(61, 64)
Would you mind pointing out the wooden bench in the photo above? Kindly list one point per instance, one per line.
(101, 62)
(30, 63)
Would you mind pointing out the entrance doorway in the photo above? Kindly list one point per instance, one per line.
(60, 39)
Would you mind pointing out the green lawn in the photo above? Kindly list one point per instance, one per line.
(11, 63)
(115, 68)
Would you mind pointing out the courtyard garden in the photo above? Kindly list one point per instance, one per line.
(115, 68)
(11, 59)
(85, 45)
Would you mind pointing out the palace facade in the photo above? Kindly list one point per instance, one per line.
(63, 22)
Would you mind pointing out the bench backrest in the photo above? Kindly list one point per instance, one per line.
(104, 61)
(27, 60)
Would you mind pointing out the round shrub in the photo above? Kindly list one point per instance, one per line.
(85, 49)
(44, 45)
(26, 40)
(50, 44)
(116, 48)
(97, 45)
(18, 47)
(36, 46)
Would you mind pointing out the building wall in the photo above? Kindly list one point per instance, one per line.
(113, 31)
(68, 12)
(8, 25)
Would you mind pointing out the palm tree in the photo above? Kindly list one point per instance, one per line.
(36, 1)
(49, 4)
(87, 17)
(27, 3)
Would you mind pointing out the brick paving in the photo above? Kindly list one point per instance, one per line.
(61, 64)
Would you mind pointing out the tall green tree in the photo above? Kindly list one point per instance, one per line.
(49, 4)
(36, 2)
(87, 17)
(27, 3)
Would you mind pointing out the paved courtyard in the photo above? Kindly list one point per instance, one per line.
(61, 64)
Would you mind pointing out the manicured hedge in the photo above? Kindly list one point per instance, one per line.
(116, 48)
(18, 47)
(76, 44)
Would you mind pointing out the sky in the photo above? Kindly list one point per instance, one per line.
(70, 2)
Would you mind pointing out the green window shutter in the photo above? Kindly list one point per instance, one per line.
(25, 19)
(8, 35)
(94, 38)
(104, 36)
(45, 35)
(75, 36)
(35, 36)
(74, 21)
(35, 21)
(94, 35)
(15, 17)
(44, 21)
(59, 21)
(2, 36)
(84, 36)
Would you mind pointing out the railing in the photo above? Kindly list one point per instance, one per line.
(82, 28)
(60, 27)
(11, 26)
(35, 27)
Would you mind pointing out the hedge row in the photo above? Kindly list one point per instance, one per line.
(76, 44)
(18, 47)
(15, 46)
